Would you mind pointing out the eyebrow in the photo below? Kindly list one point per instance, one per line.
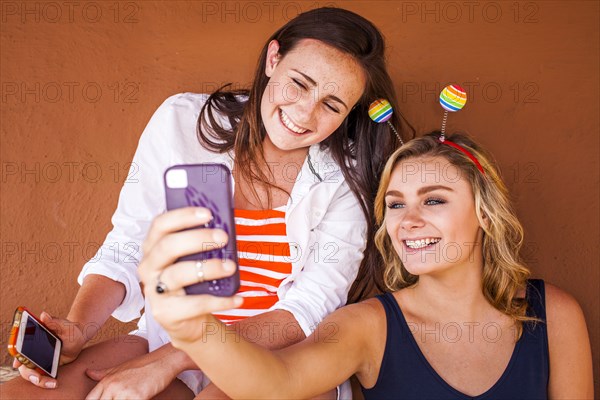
(421, 191)
(313, 83)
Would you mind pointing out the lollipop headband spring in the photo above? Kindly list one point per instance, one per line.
(452, 98)
(381, 111)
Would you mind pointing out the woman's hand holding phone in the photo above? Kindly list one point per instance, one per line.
(170, 238)
(73, 340)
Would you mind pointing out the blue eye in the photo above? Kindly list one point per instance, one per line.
(395, 205)
(433, 202)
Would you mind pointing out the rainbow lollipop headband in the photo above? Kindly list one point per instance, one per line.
(453, 98)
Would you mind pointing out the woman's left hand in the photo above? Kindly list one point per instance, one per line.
(183, 317)
(141, 378)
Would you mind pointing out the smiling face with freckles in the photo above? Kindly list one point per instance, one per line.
(431, 217)
(310, 92)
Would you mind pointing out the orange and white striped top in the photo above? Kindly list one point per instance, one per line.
(264, 261)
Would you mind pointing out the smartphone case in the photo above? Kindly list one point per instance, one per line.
(209, 186)
(14, 333)
(12, 340)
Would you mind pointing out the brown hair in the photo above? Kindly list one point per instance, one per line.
(359, 146)
(504, 275)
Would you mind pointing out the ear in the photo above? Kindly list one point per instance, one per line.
(273, 57)
(485, 219)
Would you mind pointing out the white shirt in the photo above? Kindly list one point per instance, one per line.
(326, 228)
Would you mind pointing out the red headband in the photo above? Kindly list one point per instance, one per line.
(443, 140)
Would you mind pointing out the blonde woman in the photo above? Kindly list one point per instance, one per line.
(462, 319)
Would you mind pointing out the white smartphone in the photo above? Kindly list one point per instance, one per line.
(33, 344)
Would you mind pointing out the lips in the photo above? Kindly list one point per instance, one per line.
(290, 125)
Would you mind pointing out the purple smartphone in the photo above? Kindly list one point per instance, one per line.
(206, 185)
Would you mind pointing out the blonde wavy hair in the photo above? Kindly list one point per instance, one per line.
(504, 274)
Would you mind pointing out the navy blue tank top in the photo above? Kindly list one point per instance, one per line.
(406, 374)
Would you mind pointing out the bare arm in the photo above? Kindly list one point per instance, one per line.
(569, 347)
(89, 310)
(241, 369)
(272, 330)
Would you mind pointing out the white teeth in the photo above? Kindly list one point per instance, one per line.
(289, 124)
(418, 244)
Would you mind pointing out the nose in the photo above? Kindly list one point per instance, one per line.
(412, 219)
(305, 109)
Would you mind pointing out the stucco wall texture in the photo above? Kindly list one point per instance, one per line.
(80, 81)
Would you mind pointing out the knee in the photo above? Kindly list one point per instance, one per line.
(19, 388)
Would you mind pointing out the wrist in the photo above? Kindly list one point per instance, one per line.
(185, 345)
(179, 361)
(81, 331)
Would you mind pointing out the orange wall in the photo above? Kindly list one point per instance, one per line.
(81, 79)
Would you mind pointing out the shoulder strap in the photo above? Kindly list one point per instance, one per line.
(388, 302)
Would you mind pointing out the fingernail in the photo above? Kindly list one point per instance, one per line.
(228, 266)
(237, 300)
(34, 379)
(219, 236)
(203, 214)
(50, 385)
